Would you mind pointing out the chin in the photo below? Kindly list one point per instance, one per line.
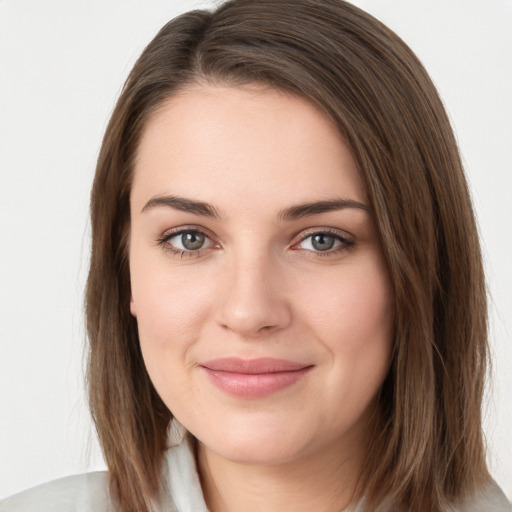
(259, 442)
(257, 453)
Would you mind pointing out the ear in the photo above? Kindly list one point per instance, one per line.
(133, 309)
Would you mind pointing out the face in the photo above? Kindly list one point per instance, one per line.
(263, 303)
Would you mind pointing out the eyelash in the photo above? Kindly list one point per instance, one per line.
(345, 243)
(163, 241)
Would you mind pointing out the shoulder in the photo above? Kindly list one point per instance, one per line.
(79, 493)
(180, 490)
(489, 499)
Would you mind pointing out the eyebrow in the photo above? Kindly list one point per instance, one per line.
(288, 214)
(183, 204)
(315, 208)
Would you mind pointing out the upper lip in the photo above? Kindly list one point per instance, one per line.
(253, 366)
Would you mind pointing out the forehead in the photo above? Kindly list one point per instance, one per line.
(222, 142)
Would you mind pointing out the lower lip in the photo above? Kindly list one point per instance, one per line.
(244, 385)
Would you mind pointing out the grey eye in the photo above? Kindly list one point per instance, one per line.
(192, 240)
(322, 242)
(188, 241)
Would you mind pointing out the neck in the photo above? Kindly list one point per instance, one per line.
(323, 482)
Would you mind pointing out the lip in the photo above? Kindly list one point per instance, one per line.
(253, 378)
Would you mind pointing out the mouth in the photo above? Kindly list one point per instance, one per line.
(253, 378)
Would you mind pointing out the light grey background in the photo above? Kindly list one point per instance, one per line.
(62, 64)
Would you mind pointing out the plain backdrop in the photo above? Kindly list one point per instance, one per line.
(62, 65)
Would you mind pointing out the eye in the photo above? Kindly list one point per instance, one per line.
(186, 241)
(189, 240)
(324, 242)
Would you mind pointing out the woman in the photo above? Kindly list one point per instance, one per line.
(286, 306)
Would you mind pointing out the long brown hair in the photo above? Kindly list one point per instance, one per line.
(427, 450)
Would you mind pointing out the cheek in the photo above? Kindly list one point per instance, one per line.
(167, 300)
(170, 307)
(355, 322)
(169, 322)
(352, 306)
(367, 307)
(355, 325)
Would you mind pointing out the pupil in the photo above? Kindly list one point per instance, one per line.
(322, 242)
(192, 241)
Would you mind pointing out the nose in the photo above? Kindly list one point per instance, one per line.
(254, 302)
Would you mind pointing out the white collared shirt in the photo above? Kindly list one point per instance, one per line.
(181, 491)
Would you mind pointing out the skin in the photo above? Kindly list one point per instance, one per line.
(259, 287)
